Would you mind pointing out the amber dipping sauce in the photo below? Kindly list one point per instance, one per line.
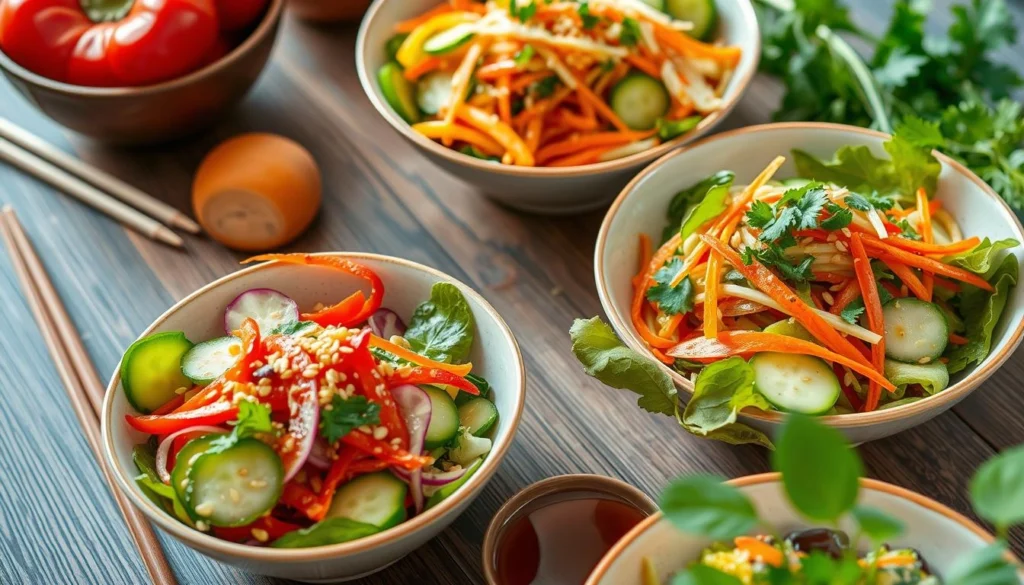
(560, 538)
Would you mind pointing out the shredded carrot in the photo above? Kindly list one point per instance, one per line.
(504, 99)
(643, 64)
(583, 157)
(468, 6)
(521, 82)
(496, 70)
(924, 263)
(667, 250)
(578, 143)
(927, 279)
(905, 274)
(460, 370)
(849, 293)
(436, 129)
(873, 310)
(957, 339)
(691, 47)
(499, 131)
(760, 550)
(600, 106)
(534, 129)
(671, 324)
(407, 26)
(681, 110)
(423, 67)
(898, 560)
(574, 121)
(711, 298)
(460, 84)
(947, 284)
(645, 257)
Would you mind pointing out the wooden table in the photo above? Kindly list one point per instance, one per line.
(57, 520)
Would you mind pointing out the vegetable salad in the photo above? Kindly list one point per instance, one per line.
(306, 429)
(847, 290)
(565, 83)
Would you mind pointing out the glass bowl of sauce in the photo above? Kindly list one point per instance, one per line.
(555, 531)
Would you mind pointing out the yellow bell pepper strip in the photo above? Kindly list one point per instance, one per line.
(411, 52)
(437, 129)
(460, 370)
(501, 132)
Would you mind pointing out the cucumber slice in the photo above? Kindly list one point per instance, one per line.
(468, 448)
(795, 383)
(640, 100)
(478, 416)
(915, 331)
(790, 328)
(184, 460)
(151, 370)
(236, 486)
(377, 499)
(443, 493)
(655, 4)
(398, 92)
(702, 13)
(444, 418)
(447, 41)
(207, 361)
(433, 91)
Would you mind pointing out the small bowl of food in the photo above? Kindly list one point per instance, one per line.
(136, 72)
(551, 107)
(857, 277)
(315, 417)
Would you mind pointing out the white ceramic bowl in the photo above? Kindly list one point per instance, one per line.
(495, 356)
(546, 190)
(939, 533)
(641, 206)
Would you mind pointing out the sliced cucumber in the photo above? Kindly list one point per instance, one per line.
(184, 460)
(790, 328)
(447, 41)
(640, 100)
(795, 383)
(655, 4)
(398, 92)
(433, 91)
(151, 370)
(444, 418)
(478, 416)
(915, 331)
(702, 13)
(377, 499)
(236, 486)
(444, 492)
(205, 362)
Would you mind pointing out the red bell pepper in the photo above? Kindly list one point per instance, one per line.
(272, 526)
(108, 43)
(373, 386)
(344, 313)
(165, 424)
(385, 451)
(421, 375)
(252, 350)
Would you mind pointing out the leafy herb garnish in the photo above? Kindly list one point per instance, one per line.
(253, 419)
(630, 34)
(589, 20)
(545, 87)
(686, 202)
(671, 300)
(522, 10)
(524, 55)
(346, 414)
(442, 327)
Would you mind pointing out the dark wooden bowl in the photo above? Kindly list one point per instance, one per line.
(154, 113)
(329, 10)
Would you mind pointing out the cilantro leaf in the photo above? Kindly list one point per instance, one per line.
(345, 415)
(523, 56)
(857, 201)
(760, 214)
(545, 87)
(588, 19)
(839, 217)
(671, 300)
(851, 313)
(523, 12)
(253, 418)
(630, 34)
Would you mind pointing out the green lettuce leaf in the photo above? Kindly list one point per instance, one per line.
(157, 491)
(330, 531)
(685, 203)
(442, 327)
(853, 167)
(605, 358)
(721, 391)
(983, 258)
(933, 377)
(981, 311)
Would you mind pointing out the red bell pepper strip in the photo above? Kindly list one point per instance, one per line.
(340, 314)
(297, 496)
(105, 43)
(165, 424)
(252, 350)
(385, 451)
(873, 310)
(374, 388)
(274, 528)
(338, 473)
(421, 375)
(766, 281)
(730, 343)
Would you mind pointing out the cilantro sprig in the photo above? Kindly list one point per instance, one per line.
(671, 300)
(346, 414)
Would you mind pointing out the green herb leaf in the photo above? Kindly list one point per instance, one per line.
(545, 87)
(915, 166)
(156, 490)
(931, 377)
(524, 55)
(852, 312)
(524, 11)
(253, 419)
(820, 492)
(630, 34)
(703, 575)
(330, 531)
(987, 566)
(671, 300)
(710, 207)
(589, 20)
(721, 391)
(683, 203)
(295, 328)
(704, 505)
(669, 129)
(604, 357)
(470, 150)
(839, 217)
(345, 415)
(981, 311)
(982, 259)
(997, 489)
(442, 327)
(876, 524)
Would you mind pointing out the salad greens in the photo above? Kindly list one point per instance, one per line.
(981, 311)
(442, 327)
(821, 478)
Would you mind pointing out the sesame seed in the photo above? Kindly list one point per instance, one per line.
(243, 471)
(315, 484)
(234, 495)
(365, 429)
(380, 433)
(840, 246)
(204, 509)
(257, 484)
(260, 534)
(202, 526)
(924, 360)
(827, 297)
(846, 232)
(180, 391)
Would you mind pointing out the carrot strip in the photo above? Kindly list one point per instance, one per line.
(525, 80)
(600, 106)
(643, 64)
(768, 283)
(667, 250)
(504, 99)
(730, 343)
(947, 284)
(904, 273)
(926, 264)
(927, 279)
(691, 47)
(435, 129)
(499, 131)
(534, 129)
(926, 248)
(460, 370)
(711, 298)
(957, 339)
(576, 122)
(423, 67)
(578, 143)
(407, 26)
(496, 70)
(760, 551)
(584, 157)
(460, 84)
(645, 257)
(873, 309)
(846, 295)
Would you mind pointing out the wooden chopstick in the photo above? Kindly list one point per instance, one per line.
(88, 194)
(56, 328)
(101, 179)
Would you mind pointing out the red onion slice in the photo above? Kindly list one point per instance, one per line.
(414, 404)
(302, 426)
(268, 307)
(318, 455)
(384, 323)
(163, 452)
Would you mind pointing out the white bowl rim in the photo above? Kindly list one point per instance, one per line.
(205, 541)
(859, 419)
(615, 552)
(749, 19)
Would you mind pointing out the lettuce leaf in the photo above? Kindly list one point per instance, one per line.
(329, 531)
(442, 327)
(605, 358)
(688, 203)
(982, 259)
(721, 391)
(981, 311)
(933, 377)
(157, 491)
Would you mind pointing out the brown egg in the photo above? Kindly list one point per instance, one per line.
(329, 10)
(256, 192)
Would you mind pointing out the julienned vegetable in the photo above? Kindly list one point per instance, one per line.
(535, 83)
(295, 433)
(848, 290)
(106, 43)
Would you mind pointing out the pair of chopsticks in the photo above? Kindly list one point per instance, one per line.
(92, 186)
(79, 377)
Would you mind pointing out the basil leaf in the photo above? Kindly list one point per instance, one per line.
(704, 505)
(981, 311)
(821, 492)
(982, 259)
(442, 327)
(704, 575)
(330, 531)
(721, 391)
(876, 524)
(987, 566)
(604, 357)
(997, 489)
